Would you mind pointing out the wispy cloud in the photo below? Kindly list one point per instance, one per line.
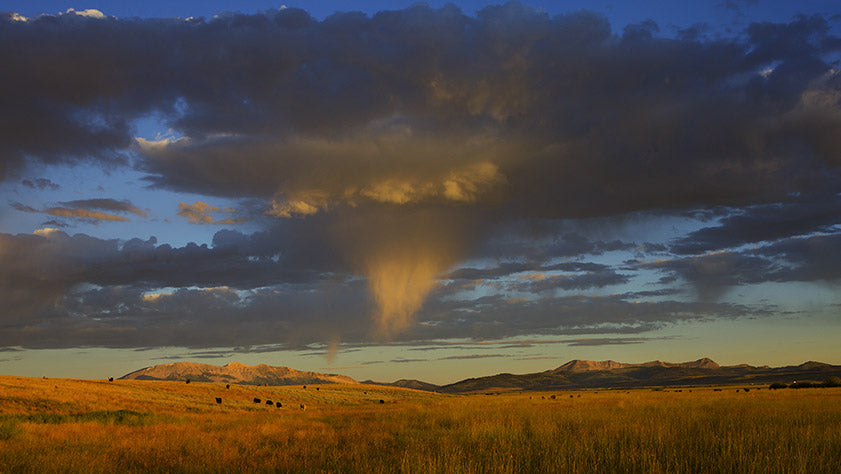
(200, 213)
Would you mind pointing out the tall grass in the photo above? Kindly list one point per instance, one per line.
(86, 426)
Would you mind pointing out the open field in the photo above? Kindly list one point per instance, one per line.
(124, 426)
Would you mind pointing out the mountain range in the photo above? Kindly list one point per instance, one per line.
(234, 373)
(575, 374)
(580, 374)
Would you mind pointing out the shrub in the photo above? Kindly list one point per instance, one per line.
(777, 385)
(804, 384)
(832, 382)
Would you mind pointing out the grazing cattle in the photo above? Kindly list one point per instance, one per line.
(579, 395)
(737, 390)
(305, 387)
(218, 400)
(278, 404)
(382, 401)
(716, 390)
(747, 390)
(316, 388)
(570, 396)
(257, 400)
(227, 385)
(188, 380)
(303, 407)
(110, 379)
(269, 402)
(552, 397)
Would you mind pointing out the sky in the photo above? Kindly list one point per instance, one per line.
(432, 191)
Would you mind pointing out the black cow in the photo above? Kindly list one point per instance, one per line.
(110, 379)
(257, 400)
(218, 400)
(227, 385)
(269, 402)
(278, 404)
(382, 401)
(303, 407)
(188, 380)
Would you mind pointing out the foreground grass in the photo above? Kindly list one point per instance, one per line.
(133, 426)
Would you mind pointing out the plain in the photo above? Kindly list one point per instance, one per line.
(140, 426)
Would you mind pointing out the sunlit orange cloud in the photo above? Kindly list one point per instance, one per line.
(199, 213)
(84, 214)
(401, 252)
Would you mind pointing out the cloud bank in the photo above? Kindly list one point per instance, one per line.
(398, 146)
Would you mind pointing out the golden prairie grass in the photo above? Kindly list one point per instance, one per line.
(142, 426)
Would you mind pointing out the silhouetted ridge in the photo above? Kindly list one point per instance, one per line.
(577, 374)
(235, 372)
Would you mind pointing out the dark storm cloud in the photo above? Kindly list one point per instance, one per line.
(391, 147)
(289, 317)
(509, 269)
(66, 291)
(40, 183)
(37, 271)
(712, 274)
(23, 207)
(809, 259)
(197, 318)
(535, 247)
(539, 282)
(767, 222)
(608, 341)
(495, 317)
(559, 117)
(795, 259)
(474, 356)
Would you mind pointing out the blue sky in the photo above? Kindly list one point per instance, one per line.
(431, 191)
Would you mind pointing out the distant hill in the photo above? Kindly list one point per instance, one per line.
(234, 373)
(578, 374)
(578, 366)
(404, 383)
(575, 374)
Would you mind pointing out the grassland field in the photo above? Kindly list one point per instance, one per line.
(64, 425)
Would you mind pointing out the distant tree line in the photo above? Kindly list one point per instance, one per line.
(829, 382)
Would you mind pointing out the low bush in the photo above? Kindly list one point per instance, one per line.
(832, 382)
